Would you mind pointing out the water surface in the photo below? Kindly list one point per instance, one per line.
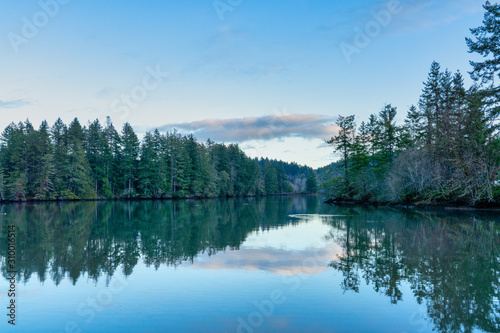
(288, 264)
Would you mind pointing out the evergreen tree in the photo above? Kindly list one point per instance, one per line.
(14, 160)
(129, 159)
(98, 153)
(45, 168)
(112, 158)
(388, 139)
(270, 178)
(343, 143)
(3, 195)
(148, 180)
(487, 44)
(411, 130)
(430, 105)
(59, 136)
(311, 183)
(79, 183)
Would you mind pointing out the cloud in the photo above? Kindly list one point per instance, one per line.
(230, 52)
(418, 14)
(14, 104)
(107, 92)
(277, 126)
(310, 261)
(415, 15)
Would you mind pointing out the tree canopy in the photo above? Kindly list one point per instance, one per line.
(96, 162)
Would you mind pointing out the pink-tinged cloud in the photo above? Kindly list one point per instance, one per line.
(311, 126)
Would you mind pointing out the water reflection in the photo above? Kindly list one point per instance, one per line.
(71, 239)
(450, 260)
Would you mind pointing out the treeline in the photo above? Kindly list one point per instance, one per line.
(97, 162)
(447, 150)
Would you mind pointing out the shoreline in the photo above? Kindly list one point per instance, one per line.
(158, 199)
(492, 206)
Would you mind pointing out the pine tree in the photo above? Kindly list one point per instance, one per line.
(129, 159)
(98, 155)
(311, 183)
(178, 163)
(388, 138)
(411, 130)
(112, 158)
(459, 98)
(270, 178)
(79, 183)
(147, 175)
(430, 104)
(3, 195)
(15, 161)
(45, 170)
(343, 142)
(373, 128)
(59, 136)
(45, 187)
(487, 44)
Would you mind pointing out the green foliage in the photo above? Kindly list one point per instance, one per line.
(487, 44)
(447, 150)
(311, 183)
(74, 162)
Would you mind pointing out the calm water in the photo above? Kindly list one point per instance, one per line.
(249, 265)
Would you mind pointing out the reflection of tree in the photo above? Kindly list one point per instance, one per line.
(452, 263)
(63, 240)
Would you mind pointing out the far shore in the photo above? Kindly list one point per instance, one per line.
(487, 206)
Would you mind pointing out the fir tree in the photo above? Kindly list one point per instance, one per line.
(129, 159)
(311, 183)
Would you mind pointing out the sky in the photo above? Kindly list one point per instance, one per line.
(270, 75)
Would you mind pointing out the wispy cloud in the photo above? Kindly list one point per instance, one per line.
(107, 92)
(416, 15)
(259, 128)
(426, 14)
(221, 56)
(14, 104)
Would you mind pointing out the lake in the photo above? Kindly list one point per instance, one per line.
(277, 264)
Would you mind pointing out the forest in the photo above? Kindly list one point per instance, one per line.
(446, 151)
(97, 162)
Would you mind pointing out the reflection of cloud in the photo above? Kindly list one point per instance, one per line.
(14, 104)
(310, 261)
(259, 128)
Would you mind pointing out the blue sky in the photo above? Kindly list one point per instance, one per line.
(269, 75)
